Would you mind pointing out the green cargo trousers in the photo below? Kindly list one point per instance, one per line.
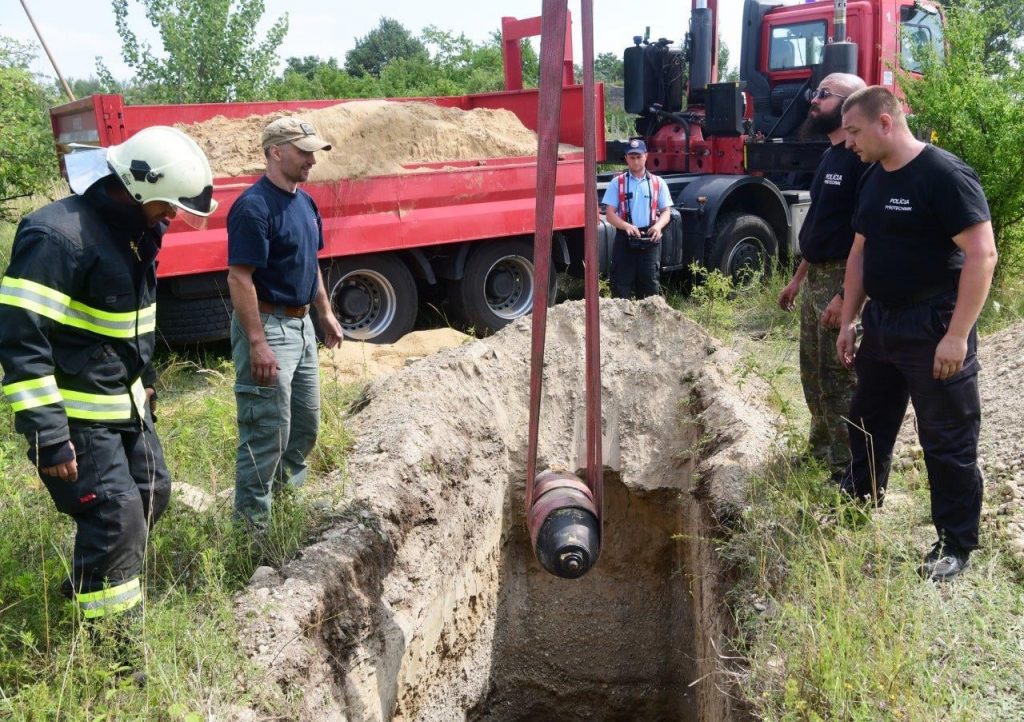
(277, 425)
(827, 384)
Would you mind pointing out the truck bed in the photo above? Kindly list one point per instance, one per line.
(437, 204)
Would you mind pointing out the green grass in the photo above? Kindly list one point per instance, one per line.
(836, 624)
(196, 562)
(831, 617)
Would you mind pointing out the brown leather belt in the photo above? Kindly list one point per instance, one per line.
(291, 311)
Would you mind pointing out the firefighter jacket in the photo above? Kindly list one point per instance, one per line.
(78, 316)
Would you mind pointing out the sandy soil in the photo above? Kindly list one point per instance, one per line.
(371, 137)
(356, 361)
(419, 603)
(1001, 451)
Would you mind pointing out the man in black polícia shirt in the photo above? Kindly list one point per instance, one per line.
(825, 240)
(924, 254)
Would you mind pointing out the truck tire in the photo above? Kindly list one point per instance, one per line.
(744, 245)
(374, 296)
(181, 321)
(497, 285)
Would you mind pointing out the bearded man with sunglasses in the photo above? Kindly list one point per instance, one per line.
(825, 241)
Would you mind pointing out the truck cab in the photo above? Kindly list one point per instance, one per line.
(729, 151)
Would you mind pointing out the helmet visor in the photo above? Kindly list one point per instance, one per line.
(190, 219)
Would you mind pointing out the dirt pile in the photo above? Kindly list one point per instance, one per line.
(356, 361)
(371, 137)
(424, 601)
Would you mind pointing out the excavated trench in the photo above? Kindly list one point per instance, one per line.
(424, 601)
(617, 644)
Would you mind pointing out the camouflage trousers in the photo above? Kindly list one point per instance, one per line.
(828, 385)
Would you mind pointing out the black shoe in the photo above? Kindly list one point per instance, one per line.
(945, 561)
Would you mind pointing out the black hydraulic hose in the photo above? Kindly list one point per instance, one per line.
(785, 111)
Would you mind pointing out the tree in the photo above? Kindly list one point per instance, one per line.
(608, 68)
(387, 42)
(28, 162)
(1004, 24)
(211, 50)
(975, 114)
(725, 73)
(309, 65)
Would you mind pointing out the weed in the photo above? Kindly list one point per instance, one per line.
(851, 631)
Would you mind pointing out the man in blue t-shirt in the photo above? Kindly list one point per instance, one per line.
(924, 254)
(274, 233)
(636, 204)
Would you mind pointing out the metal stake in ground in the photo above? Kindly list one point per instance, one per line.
(563, 512)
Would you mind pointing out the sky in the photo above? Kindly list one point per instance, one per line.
(77, 31)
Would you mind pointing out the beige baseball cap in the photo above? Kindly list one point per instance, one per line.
(296, 131)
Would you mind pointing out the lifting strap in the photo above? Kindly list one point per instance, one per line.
(553, 23)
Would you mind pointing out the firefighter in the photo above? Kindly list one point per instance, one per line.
(77, 322)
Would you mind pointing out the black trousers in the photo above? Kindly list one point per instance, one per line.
(894, 364)
(634, 270)
(122, 489)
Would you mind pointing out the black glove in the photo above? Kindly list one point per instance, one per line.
(51, 455)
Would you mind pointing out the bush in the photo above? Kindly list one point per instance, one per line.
(973, 109)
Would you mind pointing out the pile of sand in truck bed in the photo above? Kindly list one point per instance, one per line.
(371, 137)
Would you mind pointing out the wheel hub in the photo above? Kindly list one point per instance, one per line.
(746, 259)
(500, 284)
(365, 303)
(354, 302)
(508, 287)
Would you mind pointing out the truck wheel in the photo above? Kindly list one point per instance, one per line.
(181, 321)
(744, 246)
(497, 285)
(373, 296)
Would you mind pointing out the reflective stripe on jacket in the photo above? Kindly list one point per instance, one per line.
(77, 319)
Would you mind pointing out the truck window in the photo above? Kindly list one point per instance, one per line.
(919, 30)
(796, 46)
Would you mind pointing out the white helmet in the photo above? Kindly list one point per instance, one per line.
(160, 163)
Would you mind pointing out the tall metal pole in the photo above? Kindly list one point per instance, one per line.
(67, 88)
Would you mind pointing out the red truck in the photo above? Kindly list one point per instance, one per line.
(727, 152)
(466, 226)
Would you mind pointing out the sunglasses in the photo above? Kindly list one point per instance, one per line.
(822, 94)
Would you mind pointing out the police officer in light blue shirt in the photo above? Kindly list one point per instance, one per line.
(636, 204)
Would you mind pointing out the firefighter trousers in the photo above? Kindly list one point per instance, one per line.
(894, 364)
(122, 489)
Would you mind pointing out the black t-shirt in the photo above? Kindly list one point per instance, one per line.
(279, 233)
(826, 234)
(908, 218)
